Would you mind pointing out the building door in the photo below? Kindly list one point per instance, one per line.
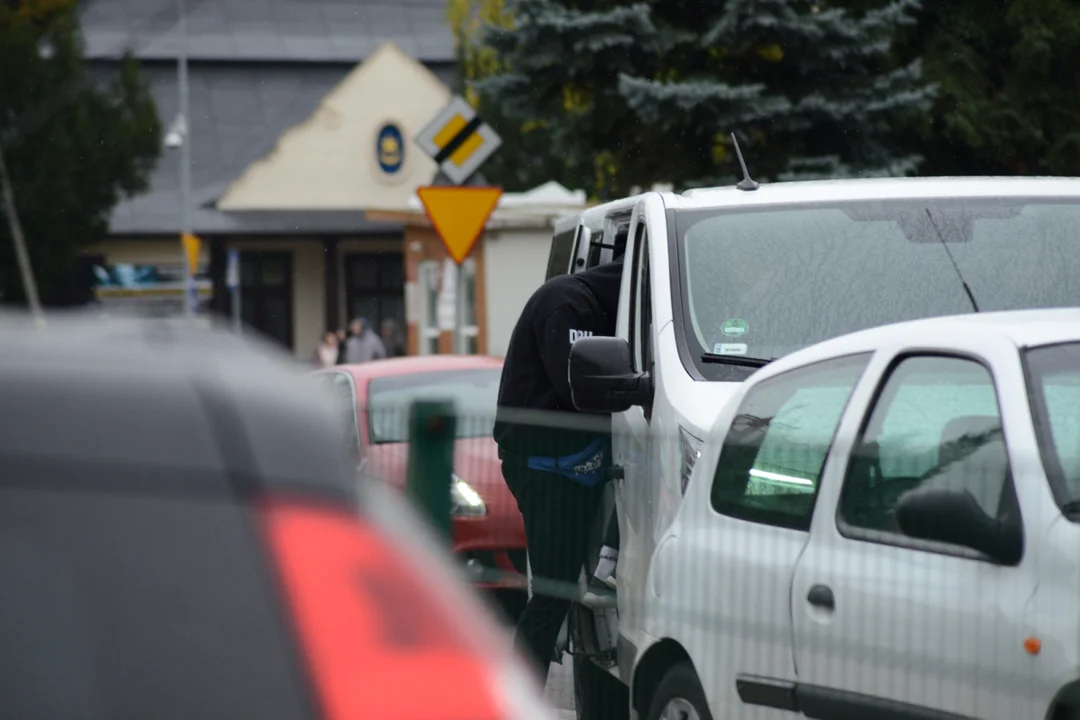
(266, 294)
(375, 288)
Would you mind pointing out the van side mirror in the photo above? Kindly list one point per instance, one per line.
(602, 376)
(954, 517)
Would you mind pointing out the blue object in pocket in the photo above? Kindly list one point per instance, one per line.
(586, 467)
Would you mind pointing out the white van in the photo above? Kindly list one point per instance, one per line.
(719, 281)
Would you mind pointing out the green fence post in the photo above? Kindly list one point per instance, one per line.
(432, 433)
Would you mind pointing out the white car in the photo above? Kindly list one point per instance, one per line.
(719, 281)
(883, 525)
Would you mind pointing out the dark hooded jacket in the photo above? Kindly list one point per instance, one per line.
(535, 377)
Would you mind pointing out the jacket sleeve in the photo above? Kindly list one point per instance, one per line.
(554, 335)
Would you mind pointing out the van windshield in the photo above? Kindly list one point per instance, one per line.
(766, 282)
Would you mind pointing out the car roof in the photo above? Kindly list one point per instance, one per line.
(200, 401)
(811, 191)
(1022, 328)
(417, 364)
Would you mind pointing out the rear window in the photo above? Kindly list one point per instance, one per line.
(121, 607)
(473, 392)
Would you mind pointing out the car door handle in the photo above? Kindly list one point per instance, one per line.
(821, 596)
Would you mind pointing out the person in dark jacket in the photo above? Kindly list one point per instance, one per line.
(555, 474)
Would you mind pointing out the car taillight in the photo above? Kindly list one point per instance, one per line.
(383, 633)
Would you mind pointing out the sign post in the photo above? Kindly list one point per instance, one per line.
(459, 141)
(232, 281)
(192, 245)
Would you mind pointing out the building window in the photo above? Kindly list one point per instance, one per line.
(375, 288)
(266, 297)
(427, 275)
(430, 278)
(468, 340)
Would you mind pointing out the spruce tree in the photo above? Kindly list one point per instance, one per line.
(649, 92)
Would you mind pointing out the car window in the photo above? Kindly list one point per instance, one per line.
(343, 391)
(1054, 384)
(474, 394)
(137, 606)
(936, 423)
(778, 278)
(774, 453)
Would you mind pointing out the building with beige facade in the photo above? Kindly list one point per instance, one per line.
(303, 161)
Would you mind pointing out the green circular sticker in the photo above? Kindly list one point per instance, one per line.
(734, 327)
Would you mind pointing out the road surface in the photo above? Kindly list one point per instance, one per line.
(560, 684)
(560, 689)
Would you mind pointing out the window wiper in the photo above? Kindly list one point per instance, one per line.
(740, 360)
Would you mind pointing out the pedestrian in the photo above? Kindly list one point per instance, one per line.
(363, 345)
(392, 339)
(557, 474)
(327, 352)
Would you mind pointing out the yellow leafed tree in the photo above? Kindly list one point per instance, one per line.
(467, 19)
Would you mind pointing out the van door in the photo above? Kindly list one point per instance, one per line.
(632, 441)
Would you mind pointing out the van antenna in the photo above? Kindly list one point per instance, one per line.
(747, 183)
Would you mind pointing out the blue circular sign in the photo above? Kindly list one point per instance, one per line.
(390, 148)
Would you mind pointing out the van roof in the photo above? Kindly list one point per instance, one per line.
(812, 191)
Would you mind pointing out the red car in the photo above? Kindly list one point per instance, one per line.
(488, 531)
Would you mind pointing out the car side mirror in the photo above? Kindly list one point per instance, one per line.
(602, 376)
(954, 517)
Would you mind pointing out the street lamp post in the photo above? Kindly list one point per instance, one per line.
(185, 156)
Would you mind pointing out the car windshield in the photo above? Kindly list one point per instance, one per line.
(1054, 387)
(766, 282)
(474, 394)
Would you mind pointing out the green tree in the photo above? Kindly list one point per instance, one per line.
(1009, 102)
(74, 146)
(525, 159)
(648, 92)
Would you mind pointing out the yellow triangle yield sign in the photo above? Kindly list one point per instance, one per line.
(192, 244)
(459, 214)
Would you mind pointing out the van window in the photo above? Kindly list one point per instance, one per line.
(776, 279)
(562, 252)
(641, 304)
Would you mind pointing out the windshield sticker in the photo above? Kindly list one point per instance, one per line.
(729, 349)
(735, 327)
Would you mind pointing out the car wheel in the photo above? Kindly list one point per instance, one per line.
(597, 694)
(679, 696)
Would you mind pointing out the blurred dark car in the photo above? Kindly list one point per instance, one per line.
(182, 536)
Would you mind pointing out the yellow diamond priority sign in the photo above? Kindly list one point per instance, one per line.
(459, 214)
(458, 140)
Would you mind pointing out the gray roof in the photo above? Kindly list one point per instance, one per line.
(238, 112)
(267, 30)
